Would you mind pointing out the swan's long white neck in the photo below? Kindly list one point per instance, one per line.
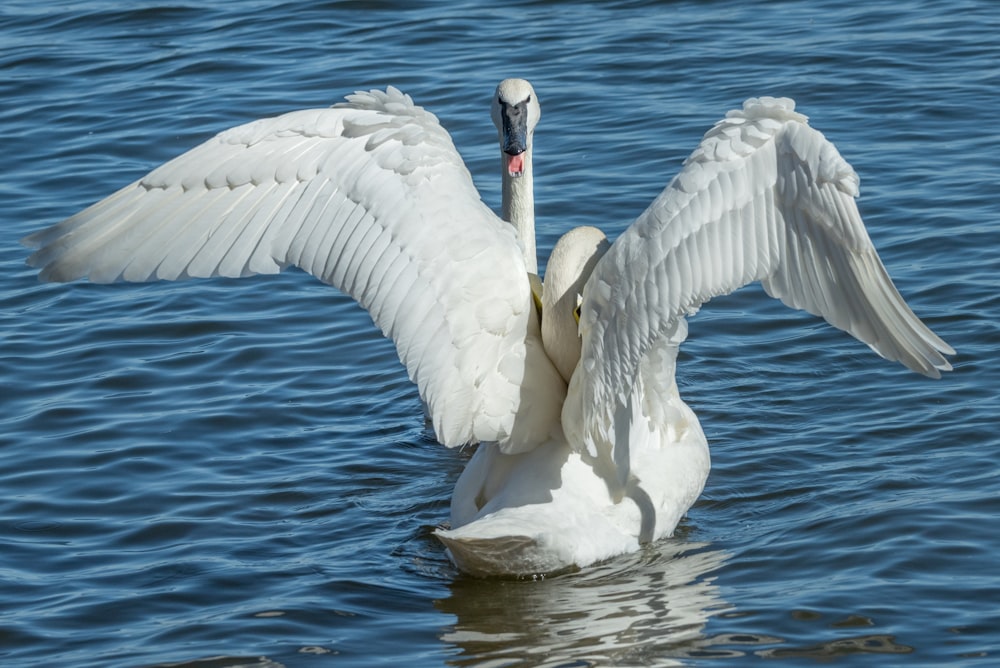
(518, 207)
(515, 114)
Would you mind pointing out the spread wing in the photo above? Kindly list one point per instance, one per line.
(763, 197)
(371, 197)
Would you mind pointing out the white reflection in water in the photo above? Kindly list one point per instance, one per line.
(650, 609)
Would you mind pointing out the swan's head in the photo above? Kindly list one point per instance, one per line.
(572, 261)
(515, 113)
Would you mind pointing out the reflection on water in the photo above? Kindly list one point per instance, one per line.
(652, 608)
(649, 608)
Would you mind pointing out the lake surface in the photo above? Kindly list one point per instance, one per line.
(238, 473)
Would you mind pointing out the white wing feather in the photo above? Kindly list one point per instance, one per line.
(369, 196)
(763, 197)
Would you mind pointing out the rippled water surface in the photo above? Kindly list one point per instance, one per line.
(225, 473)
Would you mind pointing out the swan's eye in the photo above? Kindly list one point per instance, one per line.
(576, 314)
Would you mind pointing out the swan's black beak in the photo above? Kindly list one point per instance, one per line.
(514, 140)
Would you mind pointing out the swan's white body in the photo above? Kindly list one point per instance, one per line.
(586, 447)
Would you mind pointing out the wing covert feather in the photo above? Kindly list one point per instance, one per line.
(763, 197)
(369, 196)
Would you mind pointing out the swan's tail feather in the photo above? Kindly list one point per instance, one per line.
(518, 556)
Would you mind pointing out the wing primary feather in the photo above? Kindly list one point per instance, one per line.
(348, 216)
(186, 244)
(309, 250)
(251, 253)
(240, 215)
(245, 202)
(168, 232)
(370, 240)
(311, 229)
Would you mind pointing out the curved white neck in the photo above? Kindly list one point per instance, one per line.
(518, 208)
(570, 265)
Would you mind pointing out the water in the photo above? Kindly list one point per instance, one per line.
(229, 473)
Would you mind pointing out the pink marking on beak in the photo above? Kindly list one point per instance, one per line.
(515, 164)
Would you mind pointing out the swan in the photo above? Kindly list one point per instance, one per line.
(586, 450)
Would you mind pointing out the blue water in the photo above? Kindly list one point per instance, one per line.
(226, 473)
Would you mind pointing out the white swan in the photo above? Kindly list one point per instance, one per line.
(587, 450)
